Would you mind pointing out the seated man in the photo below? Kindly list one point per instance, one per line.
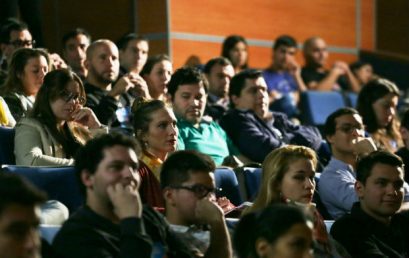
(219, 72)
(317, 77)
(283, 77)
(113, 222)
(188, 186)
(133, 53)
(255, 130)
(19, 217)
(345, 133)
(374, 228)
(188, 92)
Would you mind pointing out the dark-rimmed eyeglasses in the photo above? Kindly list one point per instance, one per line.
(350, 128)
(199, 190)
(68, 96)
(22, 43)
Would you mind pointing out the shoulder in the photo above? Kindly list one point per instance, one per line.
(29, 121)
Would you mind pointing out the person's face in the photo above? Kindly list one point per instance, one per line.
(69, 101)
(219, 79)
(298, 182)
(161, 137)
(134, 56)
(119, 165)
(385, 109)
(104, 64)
(75, 51)
(253, 96)
(18, 39)
(33, 75)
(317, 53)
(159, 77)
(183, 201)
(189, 102)
(382, 194)
(364, 74)
(283, 56)
(295, 243)
(238, 54)
(349, 129)
(19, 235)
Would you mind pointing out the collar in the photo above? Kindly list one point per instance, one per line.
(153, 163)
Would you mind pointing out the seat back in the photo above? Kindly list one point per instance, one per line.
(60, 183)
(316, 106)
(48, 232)
(7, 146)
(226, 180)
(252, 179)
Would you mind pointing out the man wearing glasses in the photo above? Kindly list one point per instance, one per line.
(188, 188)
(345, 133)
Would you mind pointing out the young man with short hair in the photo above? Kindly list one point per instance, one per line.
(374, 228)
(188, 186)
(74, 47)
(113, 222)
(133, 53)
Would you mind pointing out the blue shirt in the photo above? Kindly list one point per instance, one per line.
(282, 82)
(337, 187)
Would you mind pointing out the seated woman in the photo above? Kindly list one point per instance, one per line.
(288, 177)
(377, 104)
(157, 72)
(155, 128)
(6, 119)
(58, 123)
(235, 48)
(25, 77)
(276, 231)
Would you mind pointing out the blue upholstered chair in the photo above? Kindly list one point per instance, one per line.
(226, 180)
(48, 232)
(7, 146)
(60, 183)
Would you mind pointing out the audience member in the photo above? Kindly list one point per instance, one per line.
(377, 104)
(75, 44)
(219, 72)
(317, 77)
(133, 53)
(345, 134)
(19, 217)
(374, 228)
(110, 101)
(404, 151)
(6, 119)
(272, 232)
(363, 72)
(235, 49)
(113, 222)
(253, 128)
(189, 190)
(288, 177)
(26, 74)
(58, 124)
(188, 92)
(155, 129)
(157, 72)
(283, 77)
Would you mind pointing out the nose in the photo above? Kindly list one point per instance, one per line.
(173, 130)
(310, 183)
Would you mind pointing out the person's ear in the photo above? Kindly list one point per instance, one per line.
(87, 64)
(262, 247)
(235, 100)
(169, 196)
(404, 132)
(87, 179)
(359, 189)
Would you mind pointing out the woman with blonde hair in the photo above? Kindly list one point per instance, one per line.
(288, 177)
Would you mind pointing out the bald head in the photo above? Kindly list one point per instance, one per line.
(315, 52)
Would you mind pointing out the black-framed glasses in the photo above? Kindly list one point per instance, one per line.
(68, 96)
(22, 43)
(349, 128)
(199, 190)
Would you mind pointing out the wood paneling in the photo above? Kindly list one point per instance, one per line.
(367, 24)
(151, 16)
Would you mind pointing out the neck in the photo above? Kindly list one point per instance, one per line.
(102, 209)
(160, 155)
(92, 80)
(382, 219)
(349, 158)
(173, 218)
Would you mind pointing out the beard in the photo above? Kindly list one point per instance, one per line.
(100, 78)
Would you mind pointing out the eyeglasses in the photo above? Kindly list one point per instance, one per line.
(68, 96)
(22, 43)
(350, 128)
(199, 190)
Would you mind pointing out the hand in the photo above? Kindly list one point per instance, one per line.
(208, 212)
(126, 200)
(57, 62)
(86, 117)
(120, 87)
(140, 88)
(340, 67)
(293, 67)
(364, 145)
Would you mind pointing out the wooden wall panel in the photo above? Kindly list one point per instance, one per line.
(151, 16)
(367, 24)
(266, 19)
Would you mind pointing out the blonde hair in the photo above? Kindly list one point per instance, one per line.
(275, 166)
